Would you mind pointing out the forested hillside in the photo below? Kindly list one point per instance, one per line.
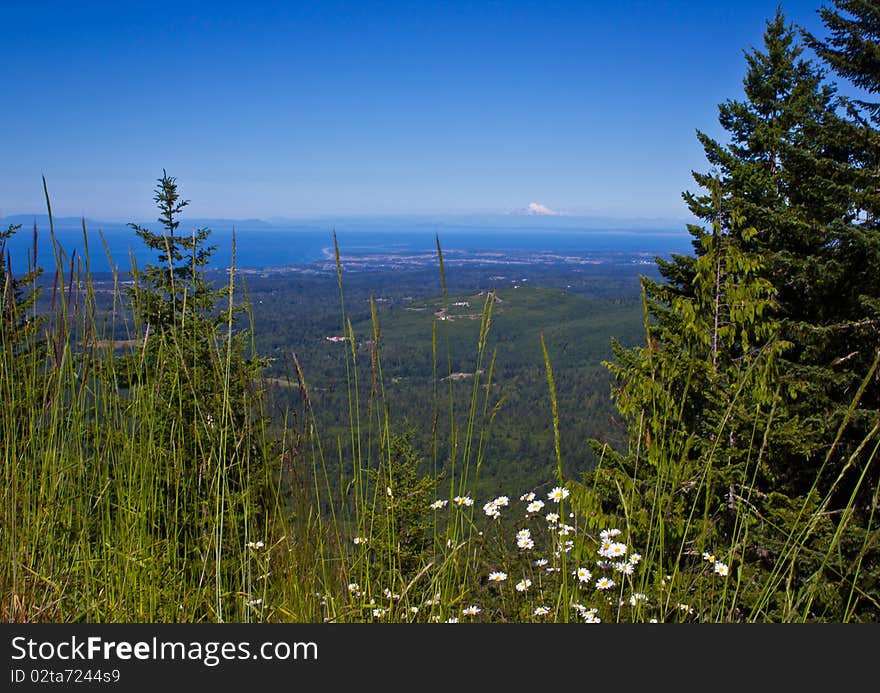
(577, 330)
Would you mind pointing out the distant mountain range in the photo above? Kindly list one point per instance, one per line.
(42, 222)
(533, 217)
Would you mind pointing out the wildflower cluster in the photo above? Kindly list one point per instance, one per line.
(543, 555)
(718, 567)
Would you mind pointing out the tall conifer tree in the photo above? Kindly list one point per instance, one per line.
(193, 356)
(752, 384)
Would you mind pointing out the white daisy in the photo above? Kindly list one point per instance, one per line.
(604, 583)
(625, 567)
(491, 509)
(557, 494)
(523, 585)
(534, 506)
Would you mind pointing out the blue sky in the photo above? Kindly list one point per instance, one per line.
(290, 109)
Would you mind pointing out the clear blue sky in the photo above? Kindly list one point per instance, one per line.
(294, 109)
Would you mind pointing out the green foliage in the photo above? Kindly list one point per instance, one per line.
(751, 388)
(22, 347)
(141, 483)
(400, 537)
(851, 48)
(206, 401)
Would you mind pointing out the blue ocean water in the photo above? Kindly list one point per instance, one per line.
(116, 246)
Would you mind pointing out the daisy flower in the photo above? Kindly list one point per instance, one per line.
(557, 494)
(525, 543)
(501, 501)
(437, 504)
(463, 500)
(527, 497)
(360, 540)
(608, 534)
(583, 575)
(552, 518)
(497, 576)
(472, 610)
(491, 509)
(636, 598)
(721, 569)
(534, 506)
(541, 611)
(604, 583)
(612, 549)
(625, 567)
(708, 557)
(523, 585)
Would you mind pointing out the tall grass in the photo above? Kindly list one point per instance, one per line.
(102, 485)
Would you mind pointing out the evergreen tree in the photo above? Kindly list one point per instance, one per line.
(852, 49)
(749, 387)
(22, 348)
(400, 533)
(193, 357)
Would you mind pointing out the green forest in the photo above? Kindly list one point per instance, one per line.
(695, 443)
